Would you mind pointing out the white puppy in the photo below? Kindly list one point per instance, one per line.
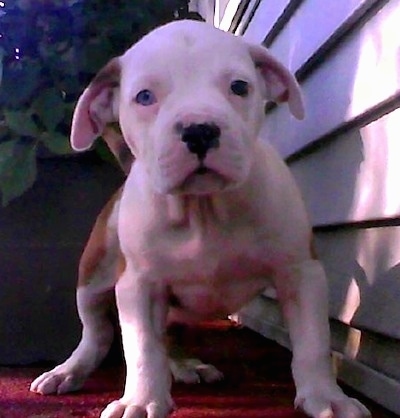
(208, 218)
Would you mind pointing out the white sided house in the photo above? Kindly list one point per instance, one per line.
(346, 158)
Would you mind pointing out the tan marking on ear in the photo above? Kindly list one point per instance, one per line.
(94, 108)
(107, 77)
(96, 246)
(284, 97)
(281, 84)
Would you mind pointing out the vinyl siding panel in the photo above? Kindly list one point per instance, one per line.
(362, 73)
(345, 157)
(364, 271)
(294, 47)
(264, 19)
(247, 17)
(355, 177)
(365, 361)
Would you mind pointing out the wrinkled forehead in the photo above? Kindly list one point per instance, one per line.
(187, 50)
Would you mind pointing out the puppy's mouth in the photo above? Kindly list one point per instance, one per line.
(202, 170)
(203, 180)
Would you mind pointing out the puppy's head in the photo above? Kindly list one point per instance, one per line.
(189, 99)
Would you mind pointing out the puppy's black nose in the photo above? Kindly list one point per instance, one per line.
(200, 138)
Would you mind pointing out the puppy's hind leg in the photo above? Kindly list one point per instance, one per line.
(192, 370)
(187, 369)
(98, 271)
(97, 336)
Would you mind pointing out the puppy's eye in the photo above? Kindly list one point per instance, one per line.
(240, 88)
(145, 98)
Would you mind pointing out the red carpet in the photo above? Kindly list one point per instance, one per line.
(257, 383)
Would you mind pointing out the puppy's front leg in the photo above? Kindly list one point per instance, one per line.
(303, 296)
(142, 308)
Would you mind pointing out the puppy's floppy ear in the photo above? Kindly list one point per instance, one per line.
(97, 106)
(280, 83)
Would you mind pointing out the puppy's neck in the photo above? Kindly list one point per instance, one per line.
(197, 211)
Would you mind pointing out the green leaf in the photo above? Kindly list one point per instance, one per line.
(21, 81)
(4, 131)
(21, 122)
(49, 107)
(6, 154)
(96, 54)
(56, 143)
(18, 171)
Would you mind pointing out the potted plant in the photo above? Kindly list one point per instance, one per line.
(49, 51)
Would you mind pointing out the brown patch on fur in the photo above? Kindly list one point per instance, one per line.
(96, 246)
(112, 135)
(121, 265)
(109, 76)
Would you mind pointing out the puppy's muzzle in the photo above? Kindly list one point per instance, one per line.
(200, 138)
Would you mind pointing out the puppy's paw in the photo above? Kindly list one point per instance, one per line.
(334, 404)
(192, 371)
(57, 381)
(120, 408)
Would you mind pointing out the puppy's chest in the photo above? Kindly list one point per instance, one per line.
(211, 271)
(208, 252)
(212, 258)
